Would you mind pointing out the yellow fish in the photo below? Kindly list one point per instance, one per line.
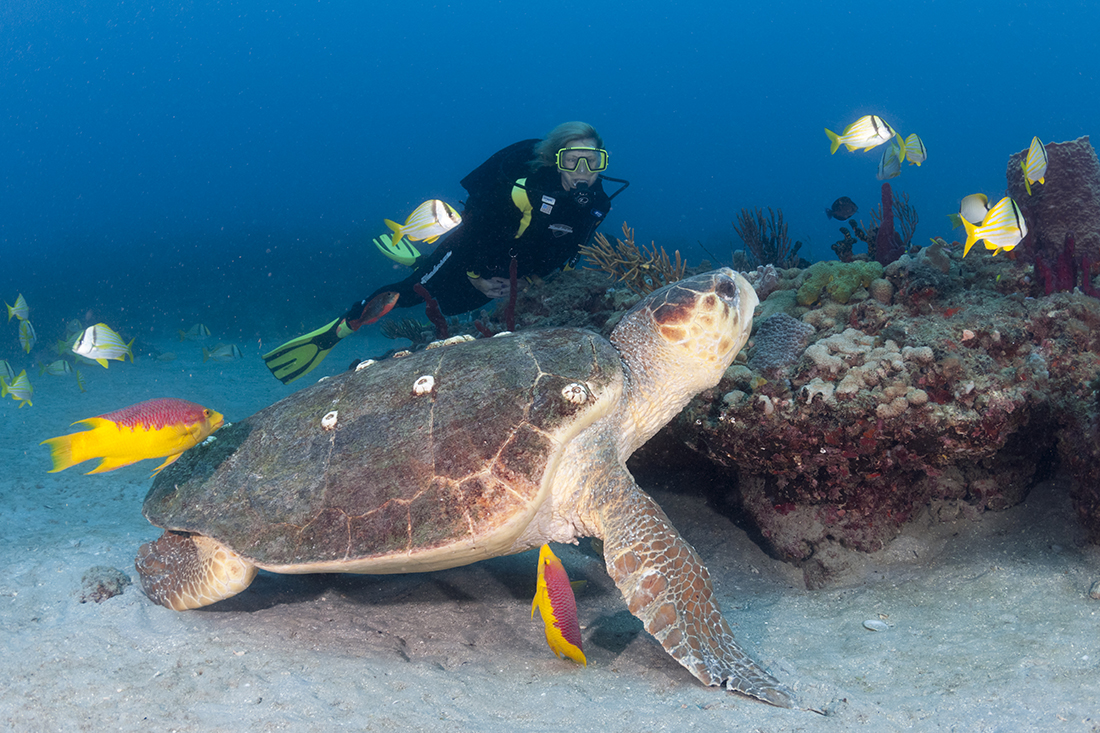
(1002, 229)
(428, 222)
(100, 343)
(27, 336)
(20, 389)
(867, 132)
(19, 310)
(554, 600)
(152, 429)
(1034, 165)
(915, 150)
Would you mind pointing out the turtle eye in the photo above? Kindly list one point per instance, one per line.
(726, 289)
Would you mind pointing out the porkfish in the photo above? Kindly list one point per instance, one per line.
(160, 428)
(554, 599)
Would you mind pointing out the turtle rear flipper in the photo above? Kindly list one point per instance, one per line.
(666, 585)
(183, 571)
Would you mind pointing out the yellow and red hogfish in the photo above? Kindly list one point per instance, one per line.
(151, 429)
(554, 599)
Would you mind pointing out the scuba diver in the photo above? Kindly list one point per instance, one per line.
(536, 202)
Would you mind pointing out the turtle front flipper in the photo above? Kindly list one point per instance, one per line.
(666, 586)
(183, 571)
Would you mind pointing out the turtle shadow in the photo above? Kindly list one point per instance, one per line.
(499, 580)
(495, 580)
(614, 632)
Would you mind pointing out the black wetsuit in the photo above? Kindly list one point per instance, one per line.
(485, 242)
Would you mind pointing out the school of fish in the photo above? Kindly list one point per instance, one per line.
(1001, 226)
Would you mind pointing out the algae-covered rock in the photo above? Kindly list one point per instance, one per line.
(838, 279)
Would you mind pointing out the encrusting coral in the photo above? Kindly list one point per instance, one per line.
(643, 271)
(838, 279)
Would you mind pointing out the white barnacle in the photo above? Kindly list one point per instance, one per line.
(575, 392)
(423, 385)
(460, 339)
(328, 422)
(364, 364)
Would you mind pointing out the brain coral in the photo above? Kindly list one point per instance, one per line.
(779, 342)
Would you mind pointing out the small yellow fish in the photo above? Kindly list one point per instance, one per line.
(80, 380)
(152, 429)
(20, 389)
(555, 601)
(915, 150)
(428, 222)
(27, 337)
(198, 332)
(19, 310)
(221, 352)
(1002, 229)
(867, 132)
(6, 371)
(1035, 164)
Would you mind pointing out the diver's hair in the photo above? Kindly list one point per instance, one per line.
(546, 151)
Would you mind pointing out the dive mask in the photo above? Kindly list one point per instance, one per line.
(571, 160)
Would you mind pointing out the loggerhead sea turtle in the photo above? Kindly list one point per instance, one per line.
(466, 452)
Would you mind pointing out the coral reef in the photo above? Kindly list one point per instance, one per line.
(643, 271)
(891, 413)
(766, 239)
(1068, 202)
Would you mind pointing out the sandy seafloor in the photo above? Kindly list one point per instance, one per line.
(992, 628)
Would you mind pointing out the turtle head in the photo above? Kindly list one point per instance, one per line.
(677, 342)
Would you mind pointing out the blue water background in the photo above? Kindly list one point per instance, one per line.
(228, 162)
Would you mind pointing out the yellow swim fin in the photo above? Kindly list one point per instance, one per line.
(402, 252)
(300, 356)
